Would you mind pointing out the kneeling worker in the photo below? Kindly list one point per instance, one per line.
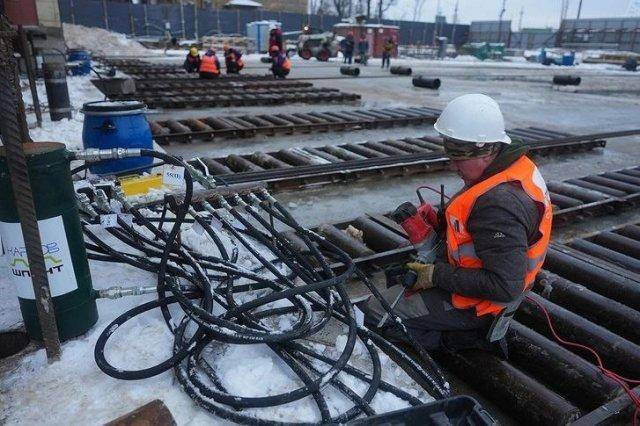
(209, 65)
(497, 230)
(192, 61)
(280, 65)
(233, 60)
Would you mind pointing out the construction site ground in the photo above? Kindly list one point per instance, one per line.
(606, 100)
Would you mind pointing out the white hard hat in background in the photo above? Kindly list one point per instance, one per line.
(473, 118)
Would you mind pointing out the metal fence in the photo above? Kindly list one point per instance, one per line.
(613, 33)
(143, 20)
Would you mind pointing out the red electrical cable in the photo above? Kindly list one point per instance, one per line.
(620, 380)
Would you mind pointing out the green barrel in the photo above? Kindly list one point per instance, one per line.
(62, 242)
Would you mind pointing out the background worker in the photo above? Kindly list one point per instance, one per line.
(496, 229)
(387, 51)
(363, 49)
(192, 61)
(209, 65)
(347, 48)
(275, 38)
(281, 65)
(232, 59)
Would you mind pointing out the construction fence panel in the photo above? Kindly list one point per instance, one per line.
(150, 19)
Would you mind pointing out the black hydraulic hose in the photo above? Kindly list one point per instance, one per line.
(303, 287)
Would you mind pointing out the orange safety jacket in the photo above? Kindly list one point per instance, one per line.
(460, 249)
(208, 64)
(286, 64)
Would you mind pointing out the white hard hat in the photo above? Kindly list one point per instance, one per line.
(473, 118)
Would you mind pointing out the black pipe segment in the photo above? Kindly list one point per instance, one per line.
(399, 70)
(515, 392)
(605, 253)
(426, 82)
(612, 315)
(378, 237)
(566, 80)
(619, 243)
(55, 82)
(617, 353)
(558, 368)
(352, 71)
(621, 289)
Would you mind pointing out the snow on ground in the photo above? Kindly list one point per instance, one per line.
(74, 391)
(100, 41)
(67, 131)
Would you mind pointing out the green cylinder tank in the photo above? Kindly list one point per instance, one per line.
(62, 242)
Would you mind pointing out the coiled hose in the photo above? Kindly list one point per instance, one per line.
(294, 283)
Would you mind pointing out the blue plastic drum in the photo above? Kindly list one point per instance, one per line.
(117, 124)
(84, 59)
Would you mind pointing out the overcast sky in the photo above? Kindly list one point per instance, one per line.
(537, 13)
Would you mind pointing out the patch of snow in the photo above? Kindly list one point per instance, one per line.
(100, 41)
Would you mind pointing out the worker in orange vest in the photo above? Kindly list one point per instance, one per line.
(496, 231)
(280, 65)
(209, 65)
(233, 60)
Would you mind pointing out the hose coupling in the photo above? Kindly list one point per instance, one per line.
(84, 205)
(117, 292)
(95, 154)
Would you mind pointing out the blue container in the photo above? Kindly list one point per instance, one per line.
(82, 56)
(568, 59)
(117, 124)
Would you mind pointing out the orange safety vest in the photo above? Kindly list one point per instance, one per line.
(286, 65)
(460, 249)
(208, 64)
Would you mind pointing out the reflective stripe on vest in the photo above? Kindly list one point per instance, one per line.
(208, 64)
(460, 247)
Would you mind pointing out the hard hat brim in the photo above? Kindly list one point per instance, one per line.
(505, 139)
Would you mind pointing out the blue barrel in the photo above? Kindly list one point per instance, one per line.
(117, 124)
(82, 56)
(568, 59)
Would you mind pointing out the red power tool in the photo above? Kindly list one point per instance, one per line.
(418, 223)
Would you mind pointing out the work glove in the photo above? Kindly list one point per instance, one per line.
(424, 272)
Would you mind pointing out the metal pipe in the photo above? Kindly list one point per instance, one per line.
(606, 254)
(10, 129)
(352, 246)
(576, 192)
(398, 70)
(618, 288)
(518, 394)
(352, 71)
(619, 243)
(608, 313)
(617, 353)
(378, 237)
(558, 368)
(425, 82)
(566, 80)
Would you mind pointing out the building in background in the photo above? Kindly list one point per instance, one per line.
(601, 33)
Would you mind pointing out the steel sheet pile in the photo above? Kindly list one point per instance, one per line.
(213, 301)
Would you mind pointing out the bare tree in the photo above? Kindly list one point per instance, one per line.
(417, 9)
(383, 6)
(342, 7)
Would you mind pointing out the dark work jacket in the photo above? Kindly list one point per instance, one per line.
(192, 63)
(363, 47)
(503, 223)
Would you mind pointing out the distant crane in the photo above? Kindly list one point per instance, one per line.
(455, 21)
(504, 3)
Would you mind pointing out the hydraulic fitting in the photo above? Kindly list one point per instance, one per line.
(95, 154)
